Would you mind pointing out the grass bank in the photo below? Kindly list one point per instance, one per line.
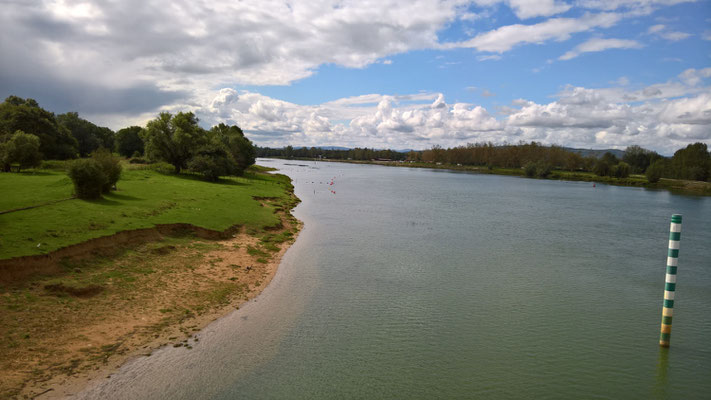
(90, 315)
(145, 198)
(678, 186)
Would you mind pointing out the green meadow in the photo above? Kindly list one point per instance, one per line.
(146, 196)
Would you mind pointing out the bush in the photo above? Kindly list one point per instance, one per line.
(530, 169)
(621, 170)
(88, 178)
(21, 149)
(57, 165)
(654, 171)
(213, 161)
(601, 168)
(110, 165)
(138, 160)
(543, 169)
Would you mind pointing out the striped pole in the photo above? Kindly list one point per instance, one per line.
(670, 285)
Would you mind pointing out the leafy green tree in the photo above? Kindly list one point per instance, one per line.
(654, 171)
(639, 158)
(288, 152)
(129, 142)
(23, 149)
(692, 162)
(173, 138)
(530, 169)
(89, 136)
(601, 168)
(212, 161)
(18, 114)
(241, 148)
(622, 170)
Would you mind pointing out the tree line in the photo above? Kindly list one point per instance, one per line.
(692, 162)
(333, 154)
(30, 134)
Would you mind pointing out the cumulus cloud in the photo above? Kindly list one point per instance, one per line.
(507, 37)
(656, 117)
(600, 44)
(525, 9)
(182, 45)
(662, 117)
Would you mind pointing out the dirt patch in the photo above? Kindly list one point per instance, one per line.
(22, 268)
(81, 292)
(96, 311)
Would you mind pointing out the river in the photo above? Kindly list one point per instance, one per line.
(420, 284)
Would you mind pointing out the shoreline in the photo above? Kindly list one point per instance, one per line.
(675, 186)
(80, 319)
(61, 387)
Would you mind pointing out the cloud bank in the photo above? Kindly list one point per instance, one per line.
(663, 117)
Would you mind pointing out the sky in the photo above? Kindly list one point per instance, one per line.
(375, 73)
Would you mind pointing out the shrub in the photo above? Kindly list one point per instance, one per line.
(213, 161)
(22, 149)
(543, 169)
(530, 169)
(622, 170)
(138, 160)
(88, 178)
(111, 167)
(654, 171)
(601, 168)
(57, 165)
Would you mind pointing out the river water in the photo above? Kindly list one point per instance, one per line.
(420, 284)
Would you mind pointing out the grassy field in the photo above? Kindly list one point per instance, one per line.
(145, 197)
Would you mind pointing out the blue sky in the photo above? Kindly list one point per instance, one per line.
(582, 73)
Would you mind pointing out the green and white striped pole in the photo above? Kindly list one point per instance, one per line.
(670, 285)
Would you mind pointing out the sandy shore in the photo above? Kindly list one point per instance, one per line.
(190, 284)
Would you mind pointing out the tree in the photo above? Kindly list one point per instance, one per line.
(621, 170)
(654, 171)
(639, 158)
(241, 148)
(128, 141)
(89, 136)
(213, 160)
(692, 162)
(26, 115)
(601, 168)
(173, 139)
(21, 148)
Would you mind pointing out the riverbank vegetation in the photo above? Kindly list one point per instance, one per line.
(102, 256)
(30, 134)
(687, 171)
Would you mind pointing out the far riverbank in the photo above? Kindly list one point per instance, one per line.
(677, 186)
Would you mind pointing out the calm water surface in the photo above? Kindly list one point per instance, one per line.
(413, 283)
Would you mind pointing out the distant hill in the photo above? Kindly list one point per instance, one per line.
(596, 153)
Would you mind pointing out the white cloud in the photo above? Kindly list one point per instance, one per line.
(185, 45)
(600, 44)
(636, 6)
(507, 37)
(662, 117)
(664, 32)
(525, 9)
